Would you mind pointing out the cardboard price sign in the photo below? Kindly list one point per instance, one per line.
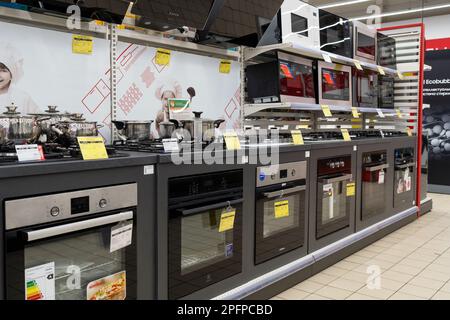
(162, 57)
(225, 66)
(227, 221)
(297, 137)
(281, 209)
(92, 148)
(82, 44)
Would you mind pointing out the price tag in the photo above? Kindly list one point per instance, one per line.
(297, 137)
(99, 22)
(232, 141)
(225, 66)
(29, 152)
(121, 27)
(346, 135)
(381, 71)
(170, 145)
(355, 113)
(92, 148)
(302, 126)
(409, 132)
(380, 113)
(281, 209)
(327, 58)
(400, 75)
(162, 57)
(82, 44)
(381, 177)
(357, 65)
(399, 113)
(351, 189)
(227, 220)
(121, 236)
(326, 111)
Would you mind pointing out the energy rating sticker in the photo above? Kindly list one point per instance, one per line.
(351, 189)
(225, 66)
(326, 111)
(346, 135)
(82, 44)
(162, 57)
(297, 137)
(33, 291)
(232, 141)
(355, 113)
(281, 209)
(92, 148)
(227, 221)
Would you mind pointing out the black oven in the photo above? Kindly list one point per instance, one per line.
(405, 164)
(386, 48)
(280, 210)
(335, 34)
(205, 230)
(365, 93)
(335, 188)
(386, 92)
(77, 245)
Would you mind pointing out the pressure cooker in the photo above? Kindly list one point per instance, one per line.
(134, 130)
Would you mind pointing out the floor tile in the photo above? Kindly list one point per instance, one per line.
(421, 292)
(391, 284)
(397, 276)
(356, 259)
(356, 276)
(346, 284)
(347, 265)
(323, 278)
(441, 295)
(334, 293)
(406, 269)
(309, 286)
(427, 283)
(429, 274)
(316, 297)
(358, 296)
(334, 271)
(404, 296)
(445, 287)
(382, 294)
(293, 294)
(414, 263)
(276, 298)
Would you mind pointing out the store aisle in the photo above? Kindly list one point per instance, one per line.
(414, 263)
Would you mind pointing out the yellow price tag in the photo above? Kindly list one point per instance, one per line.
(227, 221)
(281, 209)
(162, 57)
(357, 65)
(92, 148)
(355, 113)
(99, 22)
(346, 135)
(225, 66)
(399, 113)
(121, 27)
(351, 188)
(326, 111)
(302, 126)
(400, 75)
(381, 71)
(232, 141)
(409, 132)
(82, 44)
(297, 137)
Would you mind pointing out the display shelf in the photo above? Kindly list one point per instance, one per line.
(295, 48)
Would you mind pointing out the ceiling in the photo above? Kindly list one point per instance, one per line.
(386, 6)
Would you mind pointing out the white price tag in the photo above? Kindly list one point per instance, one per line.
(170, 145)
(121, 236)
(381, 177)
(380, 113)
(327, 58)
(29, 152)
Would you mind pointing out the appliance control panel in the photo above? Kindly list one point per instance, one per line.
(61, 206)
(334, 165)
(284, 172)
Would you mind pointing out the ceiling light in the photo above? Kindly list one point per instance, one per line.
(339, 4)
(390, 14)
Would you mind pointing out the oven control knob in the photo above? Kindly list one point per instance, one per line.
(332, 165)
(293, 172)
(102, 203)
(54, 212)
(342, 164)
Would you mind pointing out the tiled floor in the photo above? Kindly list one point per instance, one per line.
(412, 263)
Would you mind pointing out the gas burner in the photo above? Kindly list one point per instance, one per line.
(324, 136)
(152, 146)
(356, 135)
(388, 134)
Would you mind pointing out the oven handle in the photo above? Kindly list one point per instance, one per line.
(188, 212)
(281, 193)
(77, 226)
(345, 177)
(376, 168)
(406, 165)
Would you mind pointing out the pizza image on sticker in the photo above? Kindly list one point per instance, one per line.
(113, 287)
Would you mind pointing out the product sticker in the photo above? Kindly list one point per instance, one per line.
(399, 113)
(400, 75)
(297, 137)
(381, 71)
(121, 236)
(408, 185)
(170, 145)
(328, 190)
(229, 250)
(40, 282)
(355, 113)
(225, 66)
(326, 111)
(281, 209)
(409, 132)
(351, 187)
(29, 152)
(113, 287)
(232, 141)
(179, 109)
(302, 126)
(346, 135)
(92, 148)
(381, 177)
(227, 220)
(82, 44)
(327, 58)
(358, 65)
(380, 113)
(162, 57)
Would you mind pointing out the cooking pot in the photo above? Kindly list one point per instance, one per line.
(201, 129)
(134, 130)
(14, 126)
(77, 126)
(166, 129)
(48, 119)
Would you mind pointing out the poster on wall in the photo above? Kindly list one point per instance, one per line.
(38, 68)
(436, 120)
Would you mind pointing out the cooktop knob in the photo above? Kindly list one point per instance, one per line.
(293, 172)
(342, 164)
(102, 203)
(332, 165)
(54, 212)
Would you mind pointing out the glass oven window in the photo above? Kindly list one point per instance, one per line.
(296, 80)
(334, 202)
(366, 44)
(299, 25)
(274, 225)
(335, 85)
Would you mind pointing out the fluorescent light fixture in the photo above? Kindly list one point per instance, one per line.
(339, 4)
(397, 13)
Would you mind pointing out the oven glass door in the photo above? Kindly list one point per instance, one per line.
(403, 188)
(366, 94)
(280, 221)
(366, 46)
(91, 263)
(333, 204)
(374, 190)
(386, 88)
(204, 245)
(296, 80)
(335, 85)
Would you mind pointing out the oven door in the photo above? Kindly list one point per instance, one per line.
(335, 85)
(335, 34)
(367, 96)
(90, 259)
(205, 243)
(280, 220)
(374, 193)
(386, 91)
(365, 44)
(300, 24)
(403, 188)
(333, 204)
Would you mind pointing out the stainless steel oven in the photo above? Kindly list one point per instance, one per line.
(280, 210)
(335, 34)
(365, 42)
(335, 188)
(78, 245)
(405, 164)
(205, 230)
(365, 83)
(374, 184)
(335, 84)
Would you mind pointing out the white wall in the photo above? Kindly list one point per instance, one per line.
(435, 27)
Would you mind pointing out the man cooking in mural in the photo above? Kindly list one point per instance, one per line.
(11, 71)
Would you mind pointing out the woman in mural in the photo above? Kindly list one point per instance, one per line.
(11, 71)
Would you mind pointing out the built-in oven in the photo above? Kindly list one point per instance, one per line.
(405, 164)
(78, 245)
(365, 93)
(374, 191)
(280, 210)
(335, 187)
(386, 48)
(335, 84)
(335, 34)
(205, 230)
(364, 43)
(288, 79)
(386, 92)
